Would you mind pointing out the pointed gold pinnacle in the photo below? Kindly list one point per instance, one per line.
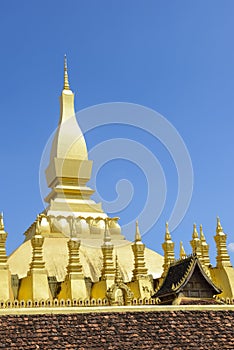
(167, 233)
(1, 221)
(66, 82)
(137, 234)
(182, 251)
(219, 227)
(195, 233)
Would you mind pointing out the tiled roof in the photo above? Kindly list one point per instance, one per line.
(113, 331)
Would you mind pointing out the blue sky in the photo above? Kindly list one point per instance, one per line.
(176, 57)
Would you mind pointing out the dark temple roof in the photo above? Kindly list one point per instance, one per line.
(179, 274)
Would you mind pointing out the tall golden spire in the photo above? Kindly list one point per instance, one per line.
(168, 247)
(35, 285)
(222, 258)
(66, 82)
(138, 249)
(37, 242)
(74, 285)
(5, 274)
(69, 169)
(3, 237)
(108, 269)
(204, 248)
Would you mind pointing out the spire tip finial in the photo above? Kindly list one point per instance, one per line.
(219, 226)
(195, 233)
(66, 82)
(137, 234)
(1, 221)
(182, 251)
(167, 232)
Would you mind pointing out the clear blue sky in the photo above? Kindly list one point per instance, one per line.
(176, 57)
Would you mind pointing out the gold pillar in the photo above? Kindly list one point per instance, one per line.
(35, 286)
(168, 248)
(74, 286)
(6, 292)
(222, 258)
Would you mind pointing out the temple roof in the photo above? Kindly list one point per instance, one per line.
(179, 275)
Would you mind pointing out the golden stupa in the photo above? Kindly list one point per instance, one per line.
(72, 215)
(74, 254)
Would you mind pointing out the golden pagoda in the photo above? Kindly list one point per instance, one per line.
(68, 252)
(75, 255)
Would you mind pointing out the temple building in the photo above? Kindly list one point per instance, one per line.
(75, 254)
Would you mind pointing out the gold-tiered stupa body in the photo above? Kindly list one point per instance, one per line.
(69, 169)
(72, 215)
